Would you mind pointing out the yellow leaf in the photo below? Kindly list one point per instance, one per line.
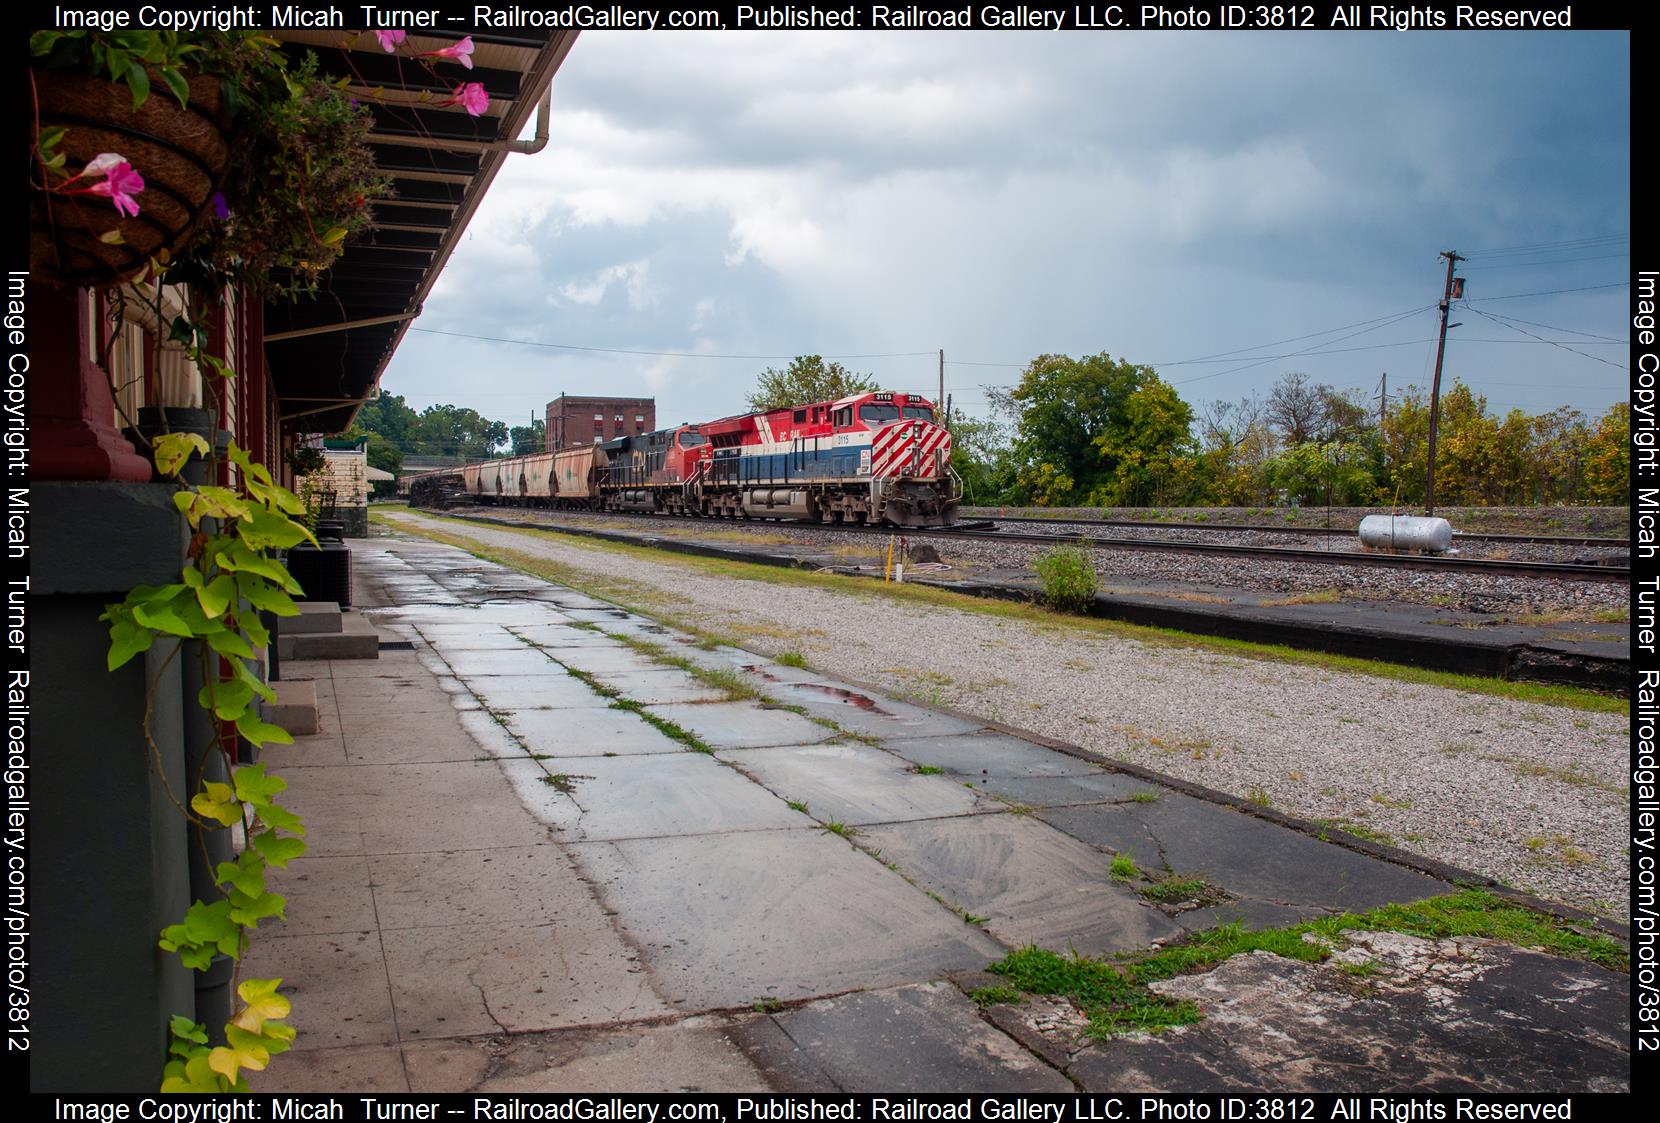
(217, 802)
(263, 1002)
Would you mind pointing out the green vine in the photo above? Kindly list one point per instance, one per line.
(228, 580)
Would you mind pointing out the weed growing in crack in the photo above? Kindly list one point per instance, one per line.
(1123, 868)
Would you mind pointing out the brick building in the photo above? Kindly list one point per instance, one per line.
(576, 421)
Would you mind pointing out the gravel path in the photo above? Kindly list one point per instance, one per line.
(1534, 795)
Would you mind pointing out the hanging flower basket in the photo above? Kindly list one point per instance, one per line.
(182, 153)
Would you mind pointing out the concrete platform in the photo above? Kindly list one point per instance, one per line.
(516, 883)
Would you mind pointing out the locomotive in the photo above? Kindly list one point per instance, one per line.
(874, 458)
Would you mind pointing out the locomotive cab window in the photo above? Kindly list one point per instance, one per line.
(799, 418)
(921, 413)
(842, 417)
(877, 412)
(693, 440)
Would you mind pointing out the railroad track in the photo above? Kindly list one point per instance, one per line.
(1310, 531)
(1607, 574)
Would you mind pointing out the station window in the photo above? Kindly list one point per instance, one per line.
(599, 417)
(619, 417)
(639, 417)
(598, 438)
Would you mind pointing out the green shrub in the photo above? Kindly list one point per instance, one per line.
(1068, 578)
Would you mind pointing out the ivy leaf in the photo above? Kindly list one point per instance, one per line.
(334, 236)
(248, 910)
(280, 818)
(265, 529)
(194, 1075)
(240, 559)
(173, 449)
(258, 686)
(254, 629)
(113, 237)
(255, 787)
(126, 640)
(263, 1004)
(231, 645)
(260, 732)
(277, 850)
(162, 620)
(220, 502)
(216, 596)
(227, 699)
(217, 802)
(262, 596)
(247, 1051)
(249, 877)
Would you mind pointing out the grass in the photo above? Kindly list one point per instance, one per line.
(1113, 992)
(792, 659)
(839, 828)
(648, 600)
(1144, 797)
(1177, 889)
(927, 770)
(798, 805)
(993, 996)
(1123, 868)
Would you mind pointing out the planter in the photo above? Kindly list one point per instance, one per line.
(180, 152)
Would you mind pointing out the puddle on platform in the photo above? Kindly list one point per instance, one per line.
(862, 701)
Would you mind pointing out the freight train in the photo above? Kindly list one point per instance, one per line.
(876, 458)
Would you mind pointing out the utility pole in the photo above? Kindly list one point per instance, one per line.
(1383, 400)
(939, 402)
(1447, 294)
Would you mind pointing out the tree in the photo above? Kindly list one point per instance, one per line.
(1296, 408)
(807, 379)
(388, 416)
(528, 439)
(980, 456)
(447, 430)
(1060, 409)
(1608, 458)
(1148, 448)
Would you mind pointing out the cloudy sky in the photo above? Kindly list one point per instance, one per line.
(1161, 197)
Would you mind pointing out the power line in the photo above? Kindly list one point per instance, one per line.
(1552, 342)
(1542, 264)
(1570, 331)
(1294, 339)
(1551, 292)
(1539, 247)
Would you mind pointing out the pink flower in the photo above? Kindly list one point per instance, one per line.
(120, 184)
(462, 52)
(470, 96)
(390, 40)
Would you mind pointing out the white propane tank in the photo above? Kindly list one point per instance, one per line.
(1406, 532)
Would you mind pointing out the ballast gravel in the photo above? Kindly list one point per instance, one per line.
(1531, 794)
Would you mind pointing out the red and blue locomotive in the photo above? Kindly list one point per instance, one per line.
(877, 458)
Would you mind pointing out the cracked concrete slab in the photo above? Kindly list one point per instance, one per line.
(694, 1055)
(866, 713)
(723, 920)
(743, 725)
(1445, 1016)
(660, 686)
(989, 754)
(507, 978)
(600, 731)
(1247, 856)
(593, 798)
(607, 659)
(1057, 791)
(517, 662)
(854, 783)
(1031, 883)
(552, 689)
(923, 1038)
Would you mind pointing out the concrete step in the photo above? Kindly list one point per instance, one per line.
(295, 708)
(316, 616)
(357, 639)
